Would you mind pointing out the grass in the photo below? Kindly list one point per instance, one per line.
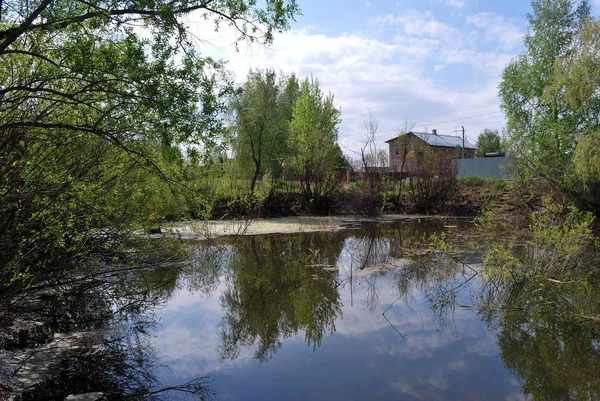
(481, 181)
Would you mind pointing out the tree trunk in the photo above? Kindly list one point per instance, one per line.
(255, 177)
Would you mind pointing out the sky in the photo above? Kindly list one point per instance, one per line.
(435, 64)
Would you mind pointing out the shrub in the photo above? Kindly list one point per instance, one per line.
(433, 183)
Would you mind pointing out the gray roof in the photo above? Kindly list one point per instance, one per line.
(447, 141)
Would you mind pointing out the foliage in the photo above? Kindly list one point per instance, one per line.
(276, 292)
(542, 340)
(550, 96)
(488, 141)
(314, 140)
(562, 244)
(263, 114)
(578, 78)
(94, 113)
(433, 180)
(542, 132)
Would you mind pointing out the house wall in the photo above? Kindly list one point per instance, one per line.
(408, 143)
(403, 146)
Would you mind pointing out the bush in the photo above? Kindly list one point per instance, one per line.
(562, 244)
(433, 183)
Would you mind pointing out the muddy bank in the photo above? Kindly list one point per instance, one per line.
(352, 201)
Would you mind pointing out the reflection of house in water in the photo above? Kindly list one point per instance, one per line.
(408, 152)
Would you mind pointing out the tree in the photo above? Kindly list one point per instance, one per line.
(263, 113)
(287, 101)
(313, 138)
(578, 77)
(542, 130)
(374, 183)
(550, 95)
(90, 110)
(488, 141)
(257, 123)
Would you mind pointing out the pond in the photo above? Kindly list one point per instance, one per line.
(360, 314)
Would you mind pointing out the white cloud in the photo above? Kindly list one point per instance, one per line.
(390, 73)
(456, 3)
(416, 23)
(497, 29)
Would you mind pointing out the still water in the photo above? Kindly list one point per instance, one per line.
(338, 316)
(367, 313)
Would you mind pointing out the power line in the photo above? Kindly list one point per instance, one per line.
(446, 128)
(475, 125)
(473, 141)
(348, 149)
(457, 111)
(443, 122)
(443, 114)
(464, 118)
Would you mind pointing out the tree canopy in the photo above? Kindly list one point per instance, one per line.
(314, 140)
(542, 130)
(78, 66)
(263, 113)
(488, 141)
(97, 100)
(550, 96)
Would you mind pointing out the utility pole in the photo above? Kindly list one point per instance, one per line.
(463, 148)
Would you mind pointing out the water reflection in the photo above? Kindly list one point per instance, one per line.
(277, 289)
(89, 335)
(375, 284)
(381, 311)
(554, 351)
(333, 316)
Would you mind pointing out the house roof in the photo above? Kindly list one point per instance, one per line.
(446, 141)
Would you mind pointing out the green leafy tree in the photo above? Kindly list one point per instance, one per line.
(257, 123)
(542, 130)
(577, 78)
(287, 101)
(314, 141)
(488, 141)
(263, 112)
(91, 112)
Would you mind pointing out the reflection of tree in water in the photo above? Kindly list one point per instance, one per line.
(401, 253)
(364, 253)
(118, 370)
(110, 315)
(549, 330)
(202, 272)
(550, 338)
(278, 287)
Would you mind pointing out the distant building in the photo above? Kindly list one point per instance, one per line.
(408, 152)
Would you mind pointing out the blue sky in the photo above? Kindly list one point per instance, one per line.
(433, 63)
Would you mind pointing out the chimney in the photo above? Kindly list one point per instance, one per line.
(434, 131)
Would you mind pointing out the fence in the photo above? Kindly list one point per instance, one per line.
(489, 167)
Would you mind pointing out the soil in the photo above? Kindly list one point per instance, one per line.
(469, 199)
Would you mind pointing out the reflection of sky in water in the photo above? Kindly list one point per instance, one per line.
(365, 358)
